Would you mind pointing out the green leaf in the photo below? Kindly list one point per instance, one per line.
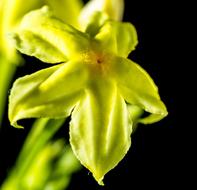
(51, 92)
(66, 39)
(137, 88)
(118, 38)
(100, 130)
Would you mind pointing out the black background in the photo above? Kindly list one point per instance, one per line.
(157, 157)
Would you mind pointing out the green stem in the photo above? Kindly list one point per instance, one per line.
(7, 71)
(42, 131)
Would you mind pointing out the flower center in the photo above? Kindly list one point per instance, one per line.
(93, 58)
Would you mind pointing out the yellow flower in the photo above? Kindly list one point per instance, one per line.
(94, 82)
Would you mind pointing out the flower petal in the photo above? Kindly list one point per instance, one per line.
(113, 8)
(31, 44)
(118, 38)
(135, 113)
(99, 129)
(10, 14)
(64, 37)
(66, 10)
(51, 92)
(13, 11)
(95, 23)
(137, 88)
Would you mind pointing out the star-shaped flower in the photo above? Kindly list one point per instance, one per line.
(94, 82)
